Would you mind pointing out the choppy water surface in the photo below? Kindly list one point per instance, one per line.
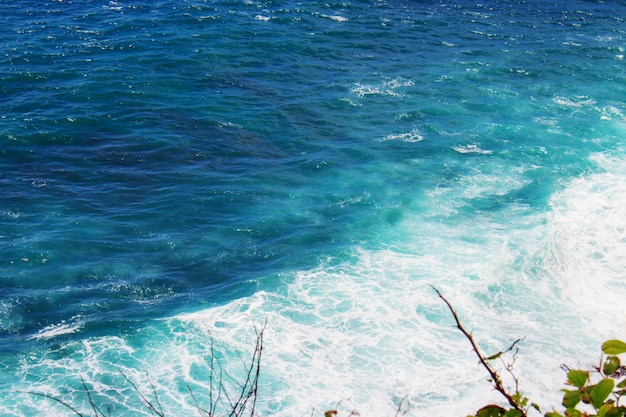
(177, 172)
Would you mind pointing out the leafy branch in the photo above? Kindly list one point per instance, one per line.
(596, 391)
(517, 402)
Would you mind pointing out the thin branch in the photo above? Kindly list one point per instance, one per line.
(98, 412)
(497, 382)
(150, 406)
(250, 386)
(94, 407)
(509, 366)
(407, 405)
(212, 385)
(156, 397)
(231, 397)
(50, 397)
(201, 411)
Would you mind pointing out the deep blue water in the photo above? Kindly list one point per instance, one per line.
(177, 169)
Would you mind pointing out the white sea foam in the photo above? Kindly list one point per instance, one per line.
(610, 113)
(336, 18)
(472, 148)
(574, 102)
(10, 214)
(59, 329)
(413, 136)
(370, 334)
(387, 87)
(590, 228)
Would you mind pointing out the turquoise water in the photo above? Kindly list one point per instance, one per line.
(179, 171)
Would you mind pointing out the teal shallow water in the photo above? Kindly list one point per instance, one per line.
(174, 170)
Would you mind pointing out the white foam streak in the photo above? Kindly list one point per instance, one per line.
(413, 136)
(387, 87)
(472, 148)
(574, 102)
(57, 330)
(336, 18)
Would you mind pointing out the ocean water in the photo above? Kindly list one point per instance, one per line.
(176, 173)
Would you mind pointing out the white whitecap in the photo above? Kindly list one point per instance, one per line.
(59, 329)
(387, 87)
(472, 148)
(578, 101)
(336, 18)
(412, 136)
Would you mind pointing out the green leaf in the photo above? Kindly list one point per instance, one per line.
(513, 413)
(601, 392)
(622, 384)
(491, 411)
(570, 399)
(616, 412)
(553, 414)
(610, 410)
(611, 365)
(578, 378)
(603, 410)
(494, 356)
(613, 347)
(572, 412)
(520, 399)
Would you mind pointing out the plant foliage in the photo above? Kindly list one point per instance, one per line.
(597, 392)
(589, 393)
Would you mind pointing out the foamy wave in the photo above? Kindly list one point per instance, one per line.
(59, 329)
(575, 102)
(113, 5)
(387, 87)
(10, 214)
(412, 136)
(472, 148)
(336, 18)
(611, 112)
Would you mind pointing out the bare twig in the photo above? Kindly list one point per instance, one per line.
(97, 411)
(250, 386)
(403, 407)
(495, 377)
(227, 396)
(201, 411)
(51, 397)
(94, 407)
(212, 384)
(151, 407)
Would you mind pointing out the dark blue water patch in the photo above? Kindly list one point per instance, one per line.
(112, 224)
